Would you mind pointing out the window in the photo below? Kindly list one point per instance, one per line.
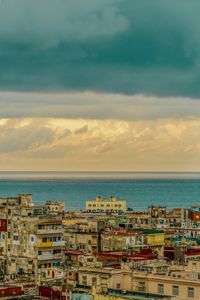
(160, 288)
(84, 280)
(56, 251)
(94, 280)
(175, 290)
(104, 278)
(190, 292)
(141, 287)
(118, 286)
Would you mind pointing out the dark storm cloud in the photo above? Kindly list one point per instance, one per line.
(129, 46)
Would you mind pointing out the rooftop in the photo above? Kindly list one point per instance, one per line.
(136, 295)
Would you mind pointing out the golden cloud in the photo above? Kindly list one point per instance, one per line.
(82, 144)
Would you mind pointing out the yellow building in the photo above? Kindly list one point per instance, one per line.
(103, 278)
(105, 205)
(55, 206)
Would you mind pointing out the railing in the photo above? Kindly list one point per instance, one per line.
(49, 231)
(58, 243)
(50, 244)
(49, 256)
(45, 244)
(16, 242)
(45, 256)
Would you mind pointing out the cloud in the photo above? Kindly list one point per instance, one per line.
(82, 130)
(23, 137)
(162, 145)
(95, 106)
(107, 46)
(48, 23)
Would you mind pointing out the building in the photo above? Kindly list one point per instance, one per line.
(55, 207)
(84, 235)
(135, 239)
(121, 239)
(180, 285)
(157, 216)
(31, 241)
(105, 205)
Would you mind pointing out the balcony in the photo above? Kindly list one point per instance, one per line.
(16, 242)
(45, 244)
(51, 244)
(49, 231)
(45, 256)
(58, 243)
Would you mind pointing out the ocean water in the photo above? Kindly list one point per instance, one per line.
(139, 189)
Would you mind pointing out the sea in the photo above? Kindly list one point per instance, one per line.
(139, 189)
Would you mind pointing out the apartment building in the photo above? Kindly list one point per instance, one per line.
(105, 205)
(136, 239)
(103, 278)
(121, 239)
(84, 235)
(177, 217)
(138, 219)
(157, 216)
(180, 285)
(55, 207)
(31, 240)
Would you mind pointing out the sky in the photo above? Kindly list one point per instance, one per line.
(108, 85)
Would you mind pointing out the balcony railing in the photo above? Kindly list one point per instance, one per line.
(16, 242)
(58, 243)
(45, 244)
(50, 244)
(48, 256)
(45, 256)
(50, 231)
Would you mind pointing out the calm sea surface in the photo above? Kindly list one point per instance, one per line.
(138, 189)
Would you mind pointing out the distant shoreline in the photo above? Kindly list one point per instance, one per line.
(112, 175)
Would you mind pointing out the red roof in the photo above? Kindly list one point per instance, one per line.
(189, 252)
